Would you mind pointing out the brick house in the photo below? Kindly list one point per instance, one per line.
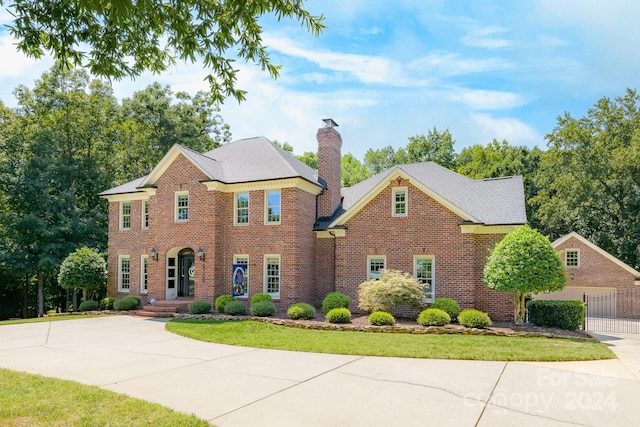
(613, 285)
(250, 210)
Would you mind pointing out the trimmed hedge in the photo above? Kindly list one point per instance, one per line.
(433, 317)
(474, 319)
(235, 308)
(301, 310)
(567, 315)
(263, 309)
(381, 318)
(222, 301)
(339, 315)
(107, 303)
(335, 300)
(130, 302)
(88, 305)
(448, 305)
(260, 297)
(199, 307)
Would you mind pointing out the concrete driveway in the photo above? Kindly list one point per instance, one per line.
(238, 386)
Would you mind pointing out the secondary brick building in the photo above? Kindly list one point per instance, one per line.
(250, 218)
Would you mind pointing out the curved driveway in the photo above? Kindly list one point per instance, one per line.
(238, 386)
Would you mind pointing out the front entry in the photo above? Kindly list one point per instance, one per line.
(187, 273)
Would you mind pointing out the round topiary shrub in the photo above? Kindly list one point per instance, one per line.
(474, 319)
(335, 300)
(235, 308)
(260, 297)
(381, 318)
(339, 315)
(448, 305)
(130, 302)
(263, 309)
(222, 301)
(107, 303)
(433, 317)
(301, 310)
(88, 306)
(199, 307)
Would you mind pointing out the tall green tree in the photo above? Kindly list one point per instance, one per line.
(126, 38)
(83, 269)
(590, 177)
(435, 147)
(352, 170)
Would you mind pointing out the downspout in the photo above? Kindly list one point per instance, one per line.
(334, 259)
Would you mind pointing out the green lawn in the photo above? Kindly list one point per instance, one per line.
(431, 346)
(33, 400)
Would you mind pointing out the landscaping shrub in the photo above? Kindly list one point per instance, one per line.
(260, 297)
(199, 307)
(235, 308)
(301, 310)
(222, 301)
(567, 315)
(263, 309)
(433, 317)
(335, 300)
(448, 305)
(474, 319)
(394, 288)
(130, 302)
(339, 315)
(381, 318)
(107, 303)
(88, 305)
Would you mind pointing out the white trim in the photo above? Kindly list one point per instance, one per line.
(266, 207)
(487, 229)
(566, 263)
(596, 248)
(120, 284)
(330, 234)
(235, 208)
(121, 220)
(177, 195)
(433, 274)
(274, 295)
(244, 187)
(144, 290)
(145, 214)
(246, 276)
(394, 203)
(372, 257)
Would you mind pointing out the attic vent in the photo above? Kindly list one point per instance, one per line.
(329, 123)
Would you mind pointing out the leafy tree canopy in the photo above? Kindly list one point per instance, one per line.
(124, 38)
(84, 268)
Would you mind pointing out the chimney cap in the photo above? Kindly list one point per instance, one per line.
(330, 123)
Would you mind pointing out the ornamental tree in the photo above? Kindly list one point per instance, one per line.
(524, 262)
(392, 289)
(83, 269)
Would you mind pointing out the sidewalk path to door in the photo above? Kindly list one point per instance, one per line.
(238, 386)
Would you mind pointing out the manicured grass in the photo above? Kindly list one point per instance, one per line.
(431, 346)
(33, 400)
(52, 318)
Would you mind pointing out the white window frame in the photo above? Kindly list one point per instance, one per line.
(236, 208)
(177, 209)
(395, 203)
(144, 274)
(123, 215)
(566, 259)
(246, 271)
(274, 295)
(431, 258)
(121, 272)
(145, 215)
(267, 206)
(370, 258)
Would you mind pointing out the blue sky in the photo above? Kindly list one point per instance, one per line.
(387, 70)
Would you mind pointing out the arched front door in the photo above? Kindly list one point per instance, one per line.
(186, 273)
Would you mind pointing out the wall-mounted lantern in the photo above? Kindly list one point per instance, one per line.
(200, 253)
(154, 253)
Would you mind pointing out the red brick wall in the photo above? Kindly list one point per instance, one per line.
(329, 157)
(499, 305)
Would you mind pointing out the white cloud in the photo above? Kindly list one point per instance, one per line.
(452, 64)
(478, 36)
(513, 130)
(479, 99)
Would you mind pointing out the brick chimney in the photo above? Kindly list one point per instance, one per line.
(329, 156)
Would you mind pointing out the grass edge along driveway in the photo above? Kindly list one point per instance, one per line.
(249, 333)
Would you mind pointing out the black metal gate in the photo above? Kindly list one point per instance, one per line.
(617, 311)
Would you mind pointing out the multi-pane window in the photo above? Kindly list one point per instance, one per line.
(124, 273)
(423, 273)
(272, 275)
(244, 261)
(242, 208)
(182, 207)
(145, 214)
(572, 257)
(273, 207)
(144, 273)
(375, 266)
(125, 215)
(399, 201)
